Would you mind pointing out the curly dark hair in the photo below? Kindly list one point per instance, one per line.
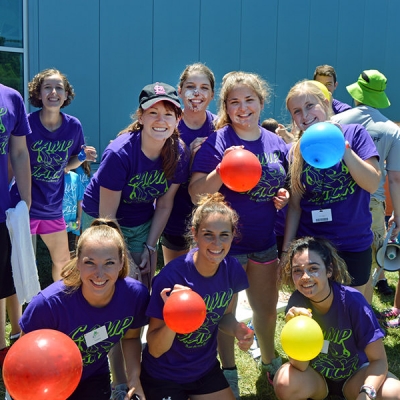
(35, 85)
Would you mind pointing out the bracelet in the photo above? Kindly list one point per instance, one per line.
(369, 391)
(149, 248)
(217, 168)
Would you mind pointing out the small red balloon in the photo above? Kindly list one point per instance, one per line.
(240, 170)
(43, 364)
(184, 311)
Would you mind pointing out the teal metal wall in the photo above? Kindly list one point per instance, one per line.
(111, 48)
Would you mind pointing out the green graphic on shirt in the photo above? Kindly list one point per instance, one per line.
(272, 178)
(115, 331)
(216, 305)
(147, 186)
(3, 111)
(328, 185)
(51, 159)
(339, 363)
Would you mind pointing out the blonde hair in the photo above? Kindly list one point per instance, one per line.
(101, 230)
(296, 162)
(229, 82)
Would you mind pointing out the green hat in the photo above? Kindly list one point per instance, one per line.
(370, 89)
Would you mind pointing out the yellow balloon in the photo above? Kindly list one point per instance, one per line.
(302, 338)
(324, 90)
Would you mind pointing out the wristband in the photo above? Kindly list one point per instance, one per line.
(82, 155)
(369, 391)
(149, 248)
(217, 168)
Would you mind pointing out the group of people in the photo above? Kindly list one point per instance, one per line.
(159, 182)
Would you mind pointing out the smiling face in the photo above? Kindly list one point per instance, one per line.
(243, 107)
(99, 265)
(307, 110)
(52, 92)
(310, 275)
(196, 92)
(159, 121)
(214, 238)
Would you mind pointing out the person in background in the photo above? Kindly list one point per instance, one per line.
(369, 96)
(14, 127)
(196, 90)
(327, 75)
(333, 202)
(185, 366)
(72, 207)
(56, 143)
(352, 363)
(242, 99)
(272, 125)
(139, 174)
(95, 293)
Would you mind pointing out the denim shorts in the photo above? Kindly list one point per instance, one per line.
(262, 257)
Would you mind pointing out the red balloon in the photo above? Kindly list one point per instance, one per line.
(43, 364)
(240, 170)
(184, 311)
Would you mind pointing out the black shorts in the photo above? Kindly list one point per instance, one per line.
(6, 278)
(174, 242)
(157, 389)
(94, 388)
(358, 265)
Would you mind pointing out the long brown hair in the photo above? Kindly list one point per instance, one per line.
(170, 151)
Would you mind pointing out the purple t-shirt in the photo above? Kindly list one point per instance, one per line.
(335, 189)
(70, 313)
(13, 121)
(124, 167)
(255, 207)
(349, 326)
(183, 206)
(339, 107)
(192, 355)
(49, 154)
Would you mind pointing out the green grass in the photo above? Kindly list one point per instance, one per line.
(252, 385)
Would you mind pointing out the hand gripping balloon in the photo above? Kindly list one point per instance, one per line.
(240, 170)
(184, 311)
(322, 145)
(302, 338)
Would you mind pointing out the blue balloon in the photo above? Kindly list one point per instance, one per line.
(322, 145)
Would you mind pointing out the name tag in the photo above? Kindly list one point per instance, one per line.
(321, 215)
(325, 347)
(96, 336)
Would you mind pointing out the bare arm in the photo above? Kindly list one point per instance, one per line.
(20, 162)
(292, 220)
(132, 351)
(394, 189)
(109, 203)
(204, 183)
(366, 173)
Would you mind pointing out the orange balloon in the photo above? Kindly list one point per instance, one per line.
(240, 170)
(44, 364)
(184, 311)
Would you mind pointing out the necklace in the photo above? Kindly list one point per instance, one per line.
(330, 291)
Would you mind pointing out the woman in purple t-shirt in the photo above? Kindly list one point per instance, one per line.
(196, 90)
(185, 366)
(242, 99)
(333, 202)
(56, 143)
(352, 362)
